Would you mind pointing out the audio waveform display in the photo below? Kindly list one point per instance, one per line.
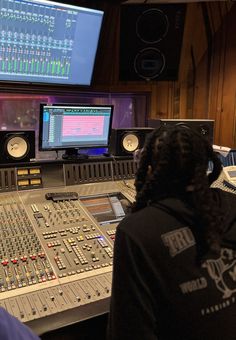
(81, 126)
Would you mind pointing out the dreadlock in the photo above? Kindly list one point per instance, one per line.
(174, 163)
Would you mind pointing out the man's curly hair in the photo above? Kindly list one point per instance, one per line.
(174, 163)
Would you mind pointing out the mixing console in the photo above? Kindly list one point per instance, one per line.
(56, 256)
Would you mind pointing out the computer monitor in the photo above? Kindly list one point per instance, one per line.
(48, 42)
(72, 127)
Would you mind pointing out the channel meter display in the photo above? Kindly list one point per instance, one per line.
(48, 42)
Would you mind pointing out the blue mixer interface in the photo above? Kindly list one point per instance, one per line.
(44, 41)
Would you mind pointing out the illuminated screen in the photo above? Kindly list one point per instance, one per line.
(107, 208)
(68, 127)
(232, 173)
(48, 42)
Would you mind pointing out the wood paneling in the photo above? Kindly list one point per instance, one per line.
(207, 74)
(223, 81)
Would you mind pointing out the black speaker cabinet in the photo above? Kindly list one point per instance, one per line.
(123, 142)
(17, 146)
(154, 123)
(203, 126)
(150, 41)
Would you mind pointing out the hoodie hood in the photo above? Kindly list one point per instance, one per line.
(183, 212)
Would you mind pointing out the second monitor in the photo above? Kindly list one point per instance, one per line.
(72, 127)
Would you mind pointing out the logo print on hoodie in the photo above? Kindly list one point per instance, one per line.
(223, 272)
(178, 240)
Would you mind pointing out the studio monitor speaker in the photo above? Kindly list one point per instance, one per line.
(124, 142)
(17, 146)
(204, 127)
(150, 41)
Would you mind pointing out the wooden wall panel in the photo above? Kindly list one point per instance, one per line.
(227, 119)
(161, 100)
(200, 104)
(223, 81)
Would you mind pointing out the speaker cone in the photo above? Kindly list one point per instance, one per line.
(17, 147)
(152, 26)
(130, 142)
(149, 63)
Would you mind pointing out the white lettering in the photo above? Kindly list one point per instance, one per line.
(178, 240)
(191, 286)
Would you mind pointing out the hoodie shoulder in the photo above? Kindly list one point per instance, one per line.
(226, 201)
(151, 220)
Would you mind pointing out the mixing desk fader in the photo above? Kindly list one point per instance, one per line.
(23, 260)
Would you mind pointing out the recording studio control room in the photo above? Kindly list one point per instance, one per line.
(82, 86)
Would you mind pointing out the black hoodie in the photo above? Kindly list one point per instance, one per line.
(159, 291)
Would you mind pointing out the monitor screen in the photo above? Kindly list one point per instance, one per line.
(107, 208)
(232, 173)
(48, 42)
(70, 127)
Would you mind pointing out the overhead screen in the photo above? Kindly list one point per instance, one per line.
(48, 42)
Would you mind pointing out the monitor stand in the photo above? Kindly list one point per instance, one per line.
(72, 153)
